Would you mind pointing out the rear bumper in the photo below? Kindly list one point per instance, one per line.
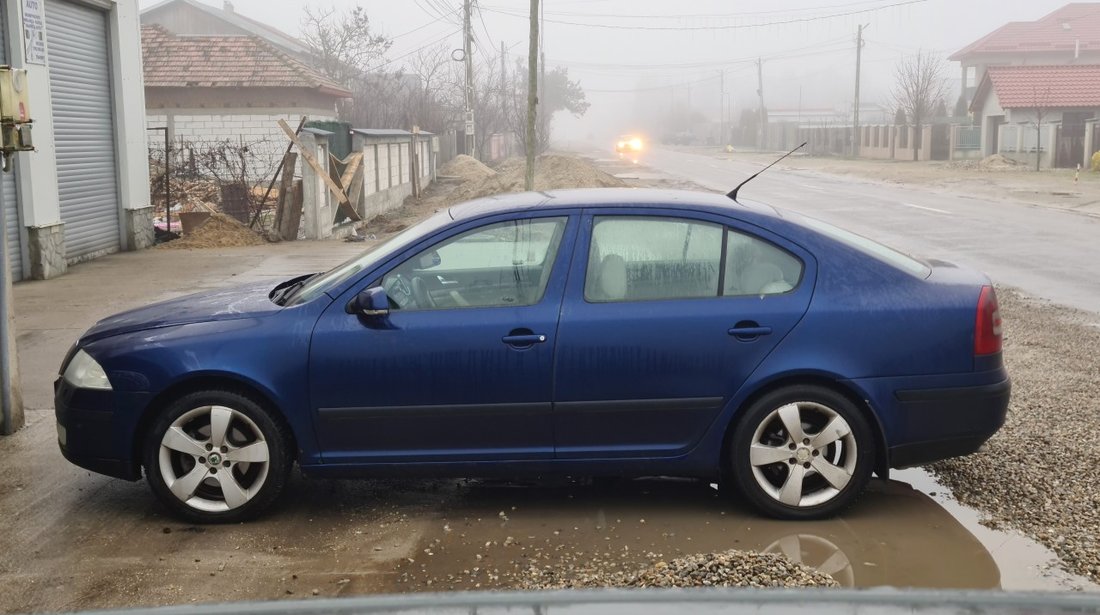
(965, 416)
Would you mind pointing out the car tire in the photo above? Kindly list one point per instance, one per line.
(817, 473)
(217, 457)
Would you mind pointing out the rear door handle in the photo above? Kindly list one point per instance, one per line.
(523, 340)
(748, 333)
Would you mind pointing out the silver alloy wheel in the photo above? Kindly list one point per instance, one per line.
(214, 458)
(803, 454)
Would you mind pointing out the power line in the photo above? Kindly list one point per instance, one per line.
(817, 48)
(722, 27)
(420, 48)
(703, 15)
(419, 28)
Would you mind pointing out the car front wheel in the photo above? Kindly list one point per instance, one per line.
(802, 452)
(216, 457)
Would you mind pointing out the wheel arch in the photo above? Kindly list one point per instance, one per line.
(824, 380)
(207, 382)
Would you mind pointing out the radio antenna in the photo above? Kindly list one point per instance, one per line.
(733, 194)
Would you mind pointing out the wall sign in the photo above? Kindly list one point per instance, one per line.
(34, 31)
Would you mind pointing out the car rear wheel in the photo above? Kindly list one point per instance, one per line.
(216, 457)
(802, 452)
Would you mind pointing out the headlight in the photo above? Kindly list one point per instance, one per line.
(636, 144)
(84, 373)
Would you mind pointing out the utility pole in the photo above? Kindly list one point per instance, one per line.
(856, 140)
(503, 84)
(532, 94)
(11, 398)
(761, 119)
(468, 56)
(722, 112)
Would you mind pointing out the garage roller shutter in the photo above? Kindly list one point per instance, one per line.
(7, 182)
(80, 87)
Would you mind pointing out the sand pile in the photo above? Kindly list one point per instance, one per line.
(219, 231)
(465, 168)
(552, 172)
(996, 162)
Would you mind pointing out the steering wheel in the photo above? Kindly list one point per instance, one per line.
(420, 293)
(397, 287)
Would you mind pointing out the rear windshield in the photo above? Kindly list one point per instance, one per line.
(869, 247)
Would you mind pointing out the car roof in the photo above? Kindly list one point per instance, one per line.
(610, 198)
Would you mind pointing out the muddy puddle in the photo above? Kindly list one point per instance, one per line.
(906, 532)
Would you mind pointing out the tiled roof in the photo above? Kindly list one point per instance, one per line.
(224, 61)
(1023, 87)
(1062, 30)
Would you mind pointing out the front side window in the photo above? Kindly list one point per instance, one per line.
(503, 264)
(639, 259)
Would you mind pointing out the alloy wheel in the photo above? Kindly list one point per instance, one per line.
(214, 459)
(803, 454)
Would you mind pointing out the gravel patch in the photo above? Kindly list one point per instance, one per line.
(726, 569)
(1039, 474)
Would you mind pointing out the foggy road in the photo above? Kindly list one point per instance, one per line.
(1047, 253)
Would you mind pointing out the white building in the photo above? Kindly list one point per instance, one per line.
(84, 191)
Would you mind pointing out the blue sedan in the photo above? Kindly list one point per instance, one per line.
(583, 333)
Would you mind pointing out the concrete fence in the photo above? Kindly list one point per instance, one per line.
(389, 158)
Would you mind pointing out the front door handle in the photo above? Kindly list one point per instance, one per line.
(523, 340)
(748, 331)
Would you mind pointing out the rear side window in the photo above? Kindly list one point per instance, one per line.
(756, 267)
(636, 259)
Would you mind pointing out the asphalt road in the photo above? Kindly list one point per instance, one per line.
(1048, 253)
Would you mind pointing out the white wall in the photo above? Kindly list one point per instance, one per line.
(203, 129)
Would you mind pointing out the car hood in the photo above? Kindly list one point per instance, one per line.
(247, 301)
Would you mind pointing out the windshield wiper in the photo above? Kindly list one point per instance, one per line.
(283, 295)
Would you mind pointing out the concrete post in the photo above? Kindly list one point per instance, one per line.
(1086, 164)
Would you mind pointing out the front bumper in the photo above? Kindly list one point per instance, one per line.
(963, 417)
(89, 431)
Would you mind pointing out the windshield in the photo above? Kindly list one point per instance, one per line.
(329, 280)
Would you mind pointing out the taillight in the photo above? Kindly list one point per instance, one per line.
(987, 327)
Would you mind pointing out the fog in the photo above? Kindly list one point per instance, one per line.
(649, 55)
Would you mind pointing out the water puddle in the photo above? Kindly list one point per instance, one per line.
(897, 535)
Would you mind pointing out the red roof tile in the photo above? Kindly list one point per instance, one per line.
(224, 61)
(1058, 31)
(1023, 87)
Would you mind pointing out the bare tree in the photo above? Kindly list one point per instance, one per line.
(342, 42)
(920, 85)
(343, 48)
(1040, 102)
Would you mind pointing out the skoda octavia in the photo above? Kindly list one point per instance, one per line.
(582, 333)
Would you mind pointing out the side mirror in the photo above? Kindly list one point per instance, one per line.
(371, 302)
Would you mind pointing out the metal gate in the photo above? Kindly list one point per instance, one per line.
(83, 117)
(8, 199)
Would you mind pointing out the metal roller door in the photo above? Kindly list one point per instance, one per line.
(80, 88)
(7, 183)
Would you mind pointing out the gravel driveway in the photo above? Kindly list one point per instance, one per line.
(1039, 473)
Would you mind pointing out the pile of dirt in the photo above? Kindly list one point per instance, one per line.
(552, 172)
(996, 162)
(727, 569)
(465, 168)
(219, 231)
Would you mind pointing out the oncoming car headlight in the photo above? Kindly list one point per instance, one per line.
(84, 373)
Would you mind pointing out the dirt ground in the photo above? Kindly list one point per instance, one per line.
(1047, 188)
(73, 540)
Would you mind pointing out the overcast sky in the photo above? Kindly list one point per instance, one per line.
(660, 49)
